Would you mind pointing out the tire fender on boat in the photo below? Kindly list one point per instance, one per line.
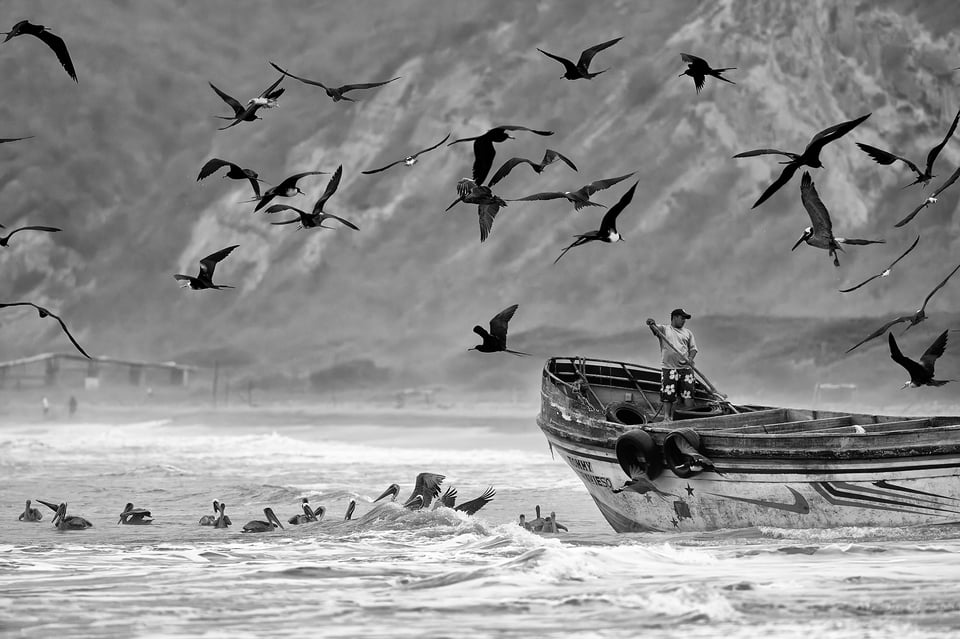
(626, 413)
(637, 448)
(681, 448)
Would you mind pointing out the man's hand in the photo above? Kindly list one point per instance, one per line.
(650, 321)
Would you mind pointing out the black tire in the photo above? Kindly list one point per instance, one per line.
(626, 413)
(672, 456)
(637, 448)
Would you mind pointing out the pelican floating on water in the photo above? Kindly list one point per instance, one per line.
(307, 516)
(72, 522)
(134, 516)
(30, 514)
(222, 520)
(263, 526)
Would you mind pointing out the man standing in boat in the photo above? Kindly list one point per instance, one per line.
(677, 351)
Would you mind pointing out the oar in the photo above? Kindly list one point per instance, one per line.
(713, 389)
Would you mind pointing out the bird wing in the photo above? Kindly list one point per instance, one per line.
(368, 85)
(587, 55)
(950, 180)
(291, 181)
(514, 127)
(256, 186)
(212, 165)
(276, 208)
(296, 77)
(599, 185)
(487, 213)
(755, 152)
(238, 108)
(866, 281)
(914, 368)
(785, 175)
(417, 154)
(431, 148)
(936, 349)
(609, 220)
(935, 151)
(880, 331)
(449, 498)
(332, 185)
(886, 157)
(938, 287)
(567, 64)
(818, 213)
(694, 60)
(383, 168)
(581, 240)
(59, 47)
(322, 216)
(506, 167)
(269, 90)
(293, 221)
(832, 133)
(550, 156)
(892, 264)
(65, 330)
(44, 313)
(541, 196)
(209, 263)
(498, 325)
(472, 506)
(5, 140)
(49, 229)
(427, 487)
(483, 154)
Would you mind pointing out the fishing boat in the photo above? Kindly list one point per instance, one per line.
(725, 465)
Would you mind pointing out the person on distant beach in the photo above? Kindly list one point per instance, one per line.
(676, 380)
(72, 405)
(45, 403)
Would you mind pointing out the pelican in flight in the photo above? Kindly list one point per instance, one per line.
(287, 188)
(134, 516)
(699, 69)
(5, 240)
(912, 318)
(204, 278)
(30, 514)
(449, 500)
(640, 483)
(810, 156)
(580, 70)
(581, 197)
(236, 172)
(336, 93)
(549, 157)
(483, 150)
(69, 522)
(248, 112)
(410, 160)
(495, 341)
(488, 204)
(886, 157)
(315, 218)
(210, 520)
(55, 42)
(263, 526)
(885, 272)
(932, 199)
(820, 235)
(608, 225)
(425, 490)
(43, 312)
(921, 373)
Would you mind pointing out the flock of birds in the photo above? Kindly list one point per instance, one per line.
(477, 189)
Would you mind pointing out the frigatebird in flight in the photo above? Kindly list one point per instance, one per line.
(608, 225)
(317, 216)
(921, 373)
(885, 271)
(248, 113)
(43, 312)
(932, 199)
(581, 68)
(580, 197)
(483, 151)
(236, 172)
(336, 93)
(410, 160)
(886, 157)
(287, 188)
(204, 279)
(549, 157)
(698, 69)
(55, 42)
(488, 204)
(495, 340)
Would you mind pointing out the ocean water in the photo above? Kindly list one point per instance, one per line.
(391, 572)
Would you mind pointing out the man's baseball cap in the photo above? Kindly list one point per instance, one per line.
(682, 313)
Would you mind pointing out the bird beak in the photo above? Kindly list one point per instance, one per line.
(799, 242)
(905, 385)
(621, 239)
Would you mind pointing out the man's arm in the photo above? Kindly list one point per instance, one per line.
(692, 349)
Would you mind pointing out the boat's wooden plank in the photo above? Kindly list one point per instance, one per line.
(883, 444)
(825, 423)
(723, 422)
(883, 427)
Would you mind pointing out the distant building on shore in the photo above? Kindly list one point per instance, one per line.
(73, 370)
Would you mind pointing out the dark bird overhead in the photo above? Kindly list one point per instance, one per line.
(912, 318)
(820, 235)
(336, 93)
(5, 140)
(317, 216)
(55, 42)
(449, 500)
(5, 240)
(410, 160)
(248, 113)
(207, 265)
(43, 312)
(886, 157)
(885, 271)
(932, 199)
(287, 188)
(549, 157)
(483, 151)
(580, 197)
(608, 225)
(235, 173)
(698, 69)
(921, 373)
(810, 156)
(488, 204)
(581, 68)
(495, 341)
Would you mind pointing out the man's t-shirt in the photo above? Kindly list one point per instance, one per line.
(682, 339)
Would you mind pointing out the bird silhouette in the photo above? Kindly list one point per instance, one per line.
(580, 197)
(810, 156)
(235, 173)
(581, 68)
(43, 312)
(55, 42)
(698, 69)
(317, 216)
(5, 140)
(608, 225)
(932, 199)
(549, 157)
(248, 113)
(885, 271)
(495, 341)
(483, 150)
(336, 93)
(204, 278)
(449, 500)
(5, 240)
(287, 188)
(488, 204)
(820, 235)
(425, 490)
(921, 373)
(886, 157)
(912, 318)
(410, 160)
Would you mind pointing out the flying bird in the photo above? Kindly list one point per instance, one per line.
(46, 313)
(425, 490)
(483, 151)
(248, 113)
(236, 172)
(886, 157)
(820, 235)
(810, 156)
(549, 157)
(287, 188)
(698, 69)
(885, 271)
(134, 516)
(488, 204)
(410, 160)
(912, 318)
(608, 225)
(5, 140)
(55, 42)
(921, 373)
(932, 199)
(317, 216)
(580, 197)
(5, 240)
(258, 525)
(449, 500)
(495, 341)
(204, 278)
(336, 93)
(581, 68)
